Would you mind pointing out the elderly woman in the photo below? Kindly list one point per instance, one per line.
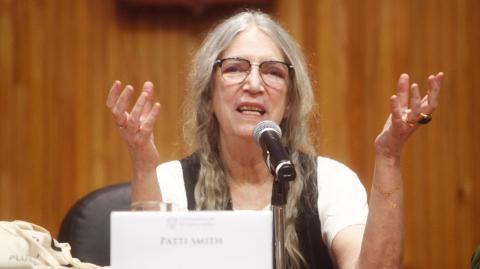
(249, 70)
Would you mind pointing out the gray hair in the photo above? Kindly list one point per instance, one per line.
(202, 130)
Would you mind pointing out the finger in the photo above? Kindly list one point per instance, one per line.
(148, 89)
(432, 94)
(113, 94)
(402, 90)
(149, 123)
(146, 110)
(119, 110)
(415, 103)
(434, 83)
(439, 77)
(398, 116)
(396, 108)
(134, 118)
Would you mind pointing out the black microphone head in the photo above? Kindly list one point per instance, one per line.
(266, 125)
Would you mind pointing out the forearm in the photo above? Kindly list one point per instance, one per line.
(136, 129)
(144, 182)
(382, 245)
(383, 238)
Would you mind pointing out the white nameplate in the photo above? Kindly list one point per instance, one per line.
(191, 240)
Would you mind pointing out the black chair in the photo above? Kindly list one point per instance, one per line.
(476, 258)
(86, 227)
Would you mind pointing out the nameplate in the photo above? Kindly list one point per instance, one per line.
(200, 239)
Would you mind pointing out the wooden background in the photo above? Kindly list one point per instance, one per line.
(59, 58)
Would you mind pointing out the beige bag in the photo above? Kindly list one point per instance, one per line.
(26, 245)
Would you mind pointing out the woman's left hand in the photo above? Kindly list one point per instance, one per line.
(404, 118)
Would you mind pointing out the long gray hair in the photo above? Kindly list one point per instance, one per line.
(202, 129)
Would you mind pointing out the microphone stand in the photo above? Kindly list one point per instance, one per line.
(279, 200)
(267, 135)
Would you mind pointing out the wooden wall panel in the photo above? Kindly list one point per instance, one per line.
(59, 58)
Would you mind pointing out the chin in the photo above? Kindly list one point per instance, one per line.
(245, 130)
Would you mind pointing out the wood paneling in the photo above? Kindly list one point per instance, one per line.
(59, 58)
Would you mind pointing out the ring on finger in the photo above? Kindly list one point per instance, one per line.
(425, 118)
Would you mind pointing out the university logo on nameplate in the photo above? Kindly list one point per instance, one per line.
(195, 239)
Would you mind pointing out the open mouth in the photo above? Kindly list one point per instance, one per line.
(251, 110)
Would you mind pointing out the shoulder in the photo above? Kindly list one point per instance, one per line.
(170, 165)
(169, 169)
(336, 176)
(328, 166)
(342, 199)
(170, 180)
(169, 173)
(332, 173)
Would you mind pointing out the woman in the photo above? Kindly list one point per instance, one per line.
(248, 70)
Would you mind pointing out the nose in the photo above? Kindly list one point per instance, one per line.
(254, 82)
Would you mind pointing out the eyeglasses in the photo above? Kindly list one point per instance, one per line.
(275, 74)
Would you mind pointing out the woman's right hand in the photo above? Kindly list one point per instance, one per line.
(136, 127)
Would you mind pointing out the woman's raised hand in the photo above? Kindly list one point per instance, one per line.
(407, 113)
(136, 127)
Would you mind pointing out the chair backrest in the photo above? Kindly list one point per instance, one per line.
(86, 227)
(476, 258)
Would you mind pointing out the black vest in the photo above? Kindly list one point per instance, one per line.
(307, 224)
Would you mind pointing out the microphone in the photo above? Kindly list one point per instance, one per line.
(267, 135)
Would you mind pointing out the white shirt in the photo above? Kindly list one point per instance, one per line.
(342, 199)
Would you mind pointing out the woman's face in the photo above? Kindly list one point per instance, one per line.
(240, 106)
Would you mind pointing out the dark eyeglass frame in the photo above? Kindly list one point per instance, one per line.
(290, 67)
